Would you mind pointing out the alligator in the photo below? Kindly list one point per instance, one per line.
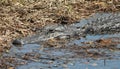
(50, 32)
(99, 23)
(104, 23)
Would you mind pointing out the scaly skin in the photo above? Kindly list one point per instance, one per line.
(104, 24)
(47, 33)
(100, 23)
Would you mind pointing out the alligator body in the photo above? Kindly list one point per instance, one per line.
(104, 23)
(99, 23)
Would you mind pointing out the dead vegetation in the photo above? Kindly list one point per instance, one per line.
(20, 18)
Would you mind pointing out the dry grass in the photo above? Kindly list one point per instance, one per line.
(19, 18)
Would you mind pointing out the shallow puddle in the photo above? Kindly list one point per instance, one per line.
(39, 57)
(82, 64)
(61, 59)
(94, 37)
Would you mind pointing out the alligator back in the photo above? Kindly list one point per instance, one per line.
(103, 23)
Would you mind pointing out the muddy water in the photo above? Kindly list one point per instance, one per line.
(37, 57)
(90, 52)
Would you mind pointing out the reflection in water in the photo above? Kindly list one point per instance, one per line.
(94, 37)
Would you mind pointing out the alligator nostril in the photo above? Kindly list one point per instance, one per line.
(17, 42)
